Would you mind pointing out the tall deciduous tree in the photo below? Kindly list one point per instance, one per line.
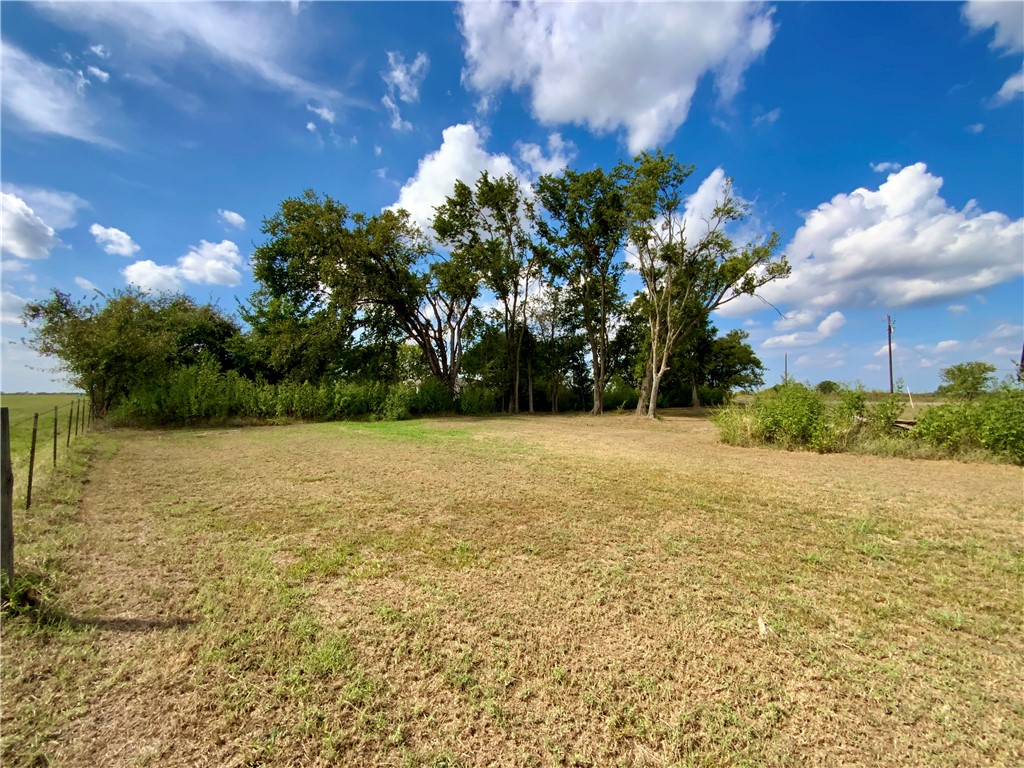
(686, 275)
(378, 269)
(486, 226)
(584, 226)
(302, 327)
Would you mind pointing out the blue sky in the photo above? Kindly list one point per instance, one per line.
(145, 144)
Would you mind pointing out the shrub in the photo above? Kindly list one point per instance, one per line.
(476, 399)
(882, 415)
(399, 404)
(1001, 423)
(789, 415)
(996, 423)
(433, 396)
(737, 425)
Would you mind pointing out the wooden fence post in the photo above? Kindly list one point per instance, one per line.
(32, 461)
(71, 416)
(6, 497)
(78, 410)
(55, 435)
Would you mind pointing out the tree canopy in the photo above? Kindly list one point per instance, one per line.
(515, 294)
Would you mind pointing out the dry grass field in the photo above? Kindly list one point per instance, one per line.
(525, 591)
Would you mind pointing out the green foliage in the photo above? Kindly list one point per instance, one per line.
(882, 415)
(400, 403)
(794, 416)
(827, 387)
(619, 394)
(789, 415)
(967, 380)
(476, 399)
(995, 423)
(433, 396)
(129, 341)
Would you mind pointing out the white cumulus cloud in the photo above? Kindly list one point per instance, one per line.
(23, 234)
(560, 154)
(231, 218)
(11, 305)
(150, 276)
(207, 263)
(899, 245)
(796, 319)
(885, 167)
(212, 264)
(1007, 18)
(606, 66)
(948, 344)
(957, 309)
(113, 240)
(461, 156)
(826, 329)
(57, 208)
(100, 50)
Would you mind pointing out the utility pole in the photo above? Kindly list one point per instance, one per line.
(890, 325)
(785, 369)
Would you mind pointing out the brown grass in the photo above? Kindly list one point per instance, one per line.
(519, 591)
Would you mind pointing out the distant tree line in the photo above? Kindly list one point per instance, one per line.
(514, 302)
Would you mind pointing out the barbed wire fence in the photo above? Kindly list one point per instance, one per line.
(79, 413)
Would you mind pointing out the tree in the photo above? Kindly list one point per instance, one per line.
(302, 329)
(430, 296)
(712, 363)
(584, 228)
(686, 274)
(378, 272)
(128, 341)
(828, 387)
(967, 380)
(558, 343)
(733, 364)
(486, 225)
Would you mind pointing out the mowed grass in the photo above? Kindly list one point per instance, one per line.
(516, 591)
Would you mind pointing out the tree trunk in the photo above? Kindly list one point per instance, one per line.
(598, 401)
(652, 409)
(529, 384)
(514, 405)
(694, 394)
(645, 390)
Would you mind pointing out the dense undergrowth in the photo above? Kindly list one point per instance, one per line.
(203, 393)
(794, 416)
